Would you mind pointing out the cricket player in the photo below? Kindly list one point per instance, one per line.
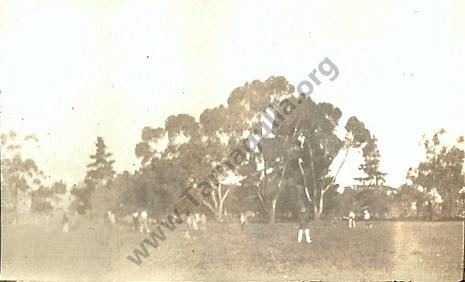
(242, 220)
(65, 223)
(111, 217)
(351, 219)
(143, 222)
(203, 222)
(135, 220)
(366, 218)
(303, 227)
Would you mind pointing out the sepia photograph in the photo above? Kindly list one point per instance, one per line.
(201, 140)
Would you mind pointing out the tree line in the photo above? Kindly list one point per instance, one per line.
(295, 151)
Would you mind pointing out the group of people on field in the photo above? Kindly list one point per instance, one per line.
(366, 217)
(140, 221)
(304, 218)
(196, 223)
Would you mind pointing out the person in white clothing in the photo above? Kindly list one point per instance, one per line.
(135, 221)
(242, 220)
(192, 226)
(203, 222)
(303, 226)
(65, 221)
(351, 219)
(366, 218)
(111, 217)
(143, 222)
(195, 225)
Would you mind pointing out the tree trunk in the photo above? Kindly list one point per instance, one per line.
(316, 213)
(321, 204)
(312, 167)
(265, 209)
(447, 205)
(220, 204)
(220, 211)
(305, 188)
(273, 210)
(222, 195)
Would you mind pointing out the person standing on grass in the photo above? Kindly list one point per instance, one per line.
(203, 223)
(366, 218)
(351, 219)
(190, 223)
(303, 226)
(65, 222)
(195, 225)
(135, 220)
(242, 220)
(143, 222)
(111, 217)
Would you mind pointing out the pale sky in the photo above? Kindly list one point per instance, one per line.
(74, 70)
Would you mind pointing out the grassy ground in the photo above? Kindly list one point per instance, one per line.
(417, 251)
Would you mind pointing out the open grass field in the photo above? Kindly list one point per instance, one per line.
(418, 251)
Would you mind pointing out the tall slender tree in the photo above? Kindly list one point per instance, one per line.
(373, 176)
(99, 173)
